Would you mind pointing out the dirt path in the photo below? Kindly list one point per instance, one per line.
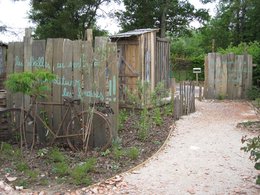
(202, 157)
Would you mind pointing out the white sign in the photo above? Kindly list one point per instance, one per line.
(196, 70)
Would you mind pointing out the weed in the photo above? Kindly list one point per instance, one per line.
(79, 172)
(61, 169)
(117, 143)
(253, 146)
(22, 166)
(221, 97)
(157, 118)
(168, 109)
(115, 166)
(44, 181)
(133, 153)
(42, 152)
(32, 174)
(123, 116)
(143, 125)
(118, 153)
(56, 156)
(21, 182)
(156, 142)
(105, 153)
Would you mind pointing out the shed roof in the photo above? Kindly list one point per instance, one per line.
(134, 33)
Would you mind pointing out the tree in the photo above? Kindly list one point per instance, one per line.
(64, 18)
(173, 16)
(237, 20)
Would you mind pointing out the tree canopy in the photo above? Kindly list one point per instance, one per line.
(64, 18)
(173, 16)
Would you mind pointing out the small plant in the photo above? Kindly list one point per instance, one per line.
(105, 153)
(133, 153)
(61, 169)
(123, 116)
(30, 83)
(32, 174)
(56, 156)
(143, 125)
(221, 97)
(169, 109)
(79, 173)
(118, 153)
(253, 93)
(22, 166)
(253, 146)
(157, 117)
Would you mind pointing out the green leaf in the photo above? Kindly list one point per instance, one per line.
(257, 166)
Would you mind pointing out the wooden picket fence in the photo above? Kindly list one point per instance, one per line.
(227, 76)
(83, 71)
(184, 102)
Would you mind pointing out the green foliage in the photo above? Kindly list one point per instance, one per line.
(143, 125)
(123, 116)
(79, 172)
(61, 169)
(30, 83)
(253, 146)
(157, 117)
(32, 174)
(133, 153)
(55, 155)
(67, 19)
(105, 153)
(253, 93)
(118, 153)
(22, 166)
(169, 109)
(169, 16)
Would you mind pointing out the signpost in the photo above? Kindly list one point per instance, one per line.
(197, 71)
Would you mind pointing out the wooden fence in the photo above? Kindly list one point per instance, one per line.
(184, 102)
(227, 76)
(83, 71)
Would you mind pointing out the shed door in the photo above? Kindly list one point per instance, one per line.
(128, 70)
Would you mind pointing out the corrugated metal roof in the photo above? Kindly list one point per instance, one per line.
(134, 33)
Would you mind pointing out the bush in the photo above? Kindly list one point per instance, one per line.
(253, 93)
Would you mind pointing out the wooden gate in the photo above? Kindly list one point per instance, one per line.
(227, 76)
(82, 71)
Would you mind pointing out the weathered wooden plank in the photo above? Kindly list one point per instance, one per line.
(231, 76)
(245, 67)
(58, 49)
(87, 59)
(10, 70)
(224, 75)
(239, 67)
(206, 73)
(218, 78)
(100, 63)
(18, 67)
(112, 96)
(48, 64)
(67, 77)
(211, 75)
(250, 71)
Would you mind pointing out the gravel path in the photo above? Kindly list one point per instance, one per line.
(202, 156)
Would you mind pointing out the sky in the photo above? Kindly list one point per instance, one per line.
(14, 16)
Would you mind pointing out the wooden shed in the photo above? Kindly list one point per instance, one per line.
(142, 56)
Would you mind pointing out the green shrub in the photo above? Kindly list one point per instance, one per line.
(143, 125)
(79, 172)
(56, 156)
(123, 116)
(22, 166)
(253, 93)
(61, 169)
(157, 117)
(118, 153)
(253, 146)
(133, 153)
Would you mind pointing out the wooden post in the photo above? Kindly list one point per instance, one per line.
(89, 34)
